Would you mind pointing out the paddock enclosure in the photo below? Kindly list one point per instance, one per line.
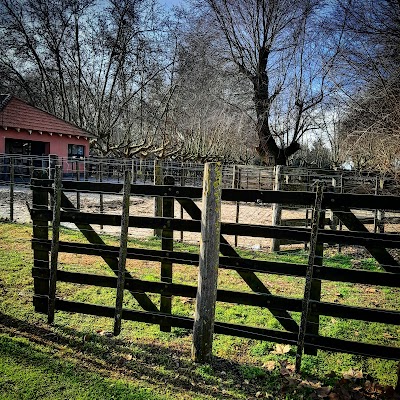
(332, 221)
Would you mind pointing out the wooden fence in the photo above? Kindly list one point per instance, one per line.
(306, 334)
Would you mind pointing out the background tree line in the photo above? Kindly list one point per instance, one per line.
(234, 80)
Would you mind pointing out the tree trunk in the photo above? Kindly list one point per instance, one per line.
(268, 148)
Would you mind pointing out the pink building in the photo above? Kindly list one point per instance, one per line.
(27, 130)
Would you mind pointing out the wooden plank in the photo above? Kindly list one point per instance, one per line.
(365, 238)
(268, 196)
(249, 277)
(40, 232)
(92, 236)
(331, 200)
(173, 289)
(384, 258)
(357, 276)
(357, 313)
(369, 201)
(55, 242)
(206, 297)
(167, 244)
(236, 263)
(320, 342)
(123, 245)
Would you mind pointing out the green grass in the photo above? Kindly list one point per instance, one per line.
(75, 359)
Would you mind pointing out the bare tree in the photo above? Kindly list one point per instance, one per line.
(369, 81)
(89, 62)
(272, 44)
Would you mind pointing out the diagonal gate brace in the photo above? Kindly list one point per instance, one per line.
(384, 258)
(92, 236)
(250, 278)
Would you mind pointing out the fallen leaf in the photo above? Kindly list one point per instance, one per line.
(323, 391)
(281, 349)
(352, 374)
(246, 381)
(388, 336)
(288, 369)
(311, 384)
(258, 395)
(269, 365)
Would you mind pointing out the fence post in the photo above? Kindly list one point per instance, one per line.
(123, 247)
(183, 183)
(12, 180)
(339, 246)
(101, 199)
(55, 243)
(167, 243)
(40, 232)
(158, 180)
(308, 289)
(277, 208)
(334, 220)
(381, 213)
(203, 327)
(235, 185)
(133, 167)
(78, 195)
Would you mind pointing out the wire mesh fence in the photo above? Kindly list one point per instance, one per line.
(16, 199)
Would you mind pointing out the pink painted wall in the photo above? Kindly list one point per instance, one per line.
(58, 144)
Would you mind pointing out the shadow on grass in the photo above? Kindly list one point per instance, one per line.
(151, 369)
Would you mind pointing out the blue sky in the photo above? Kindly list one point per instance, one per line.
(171, 3)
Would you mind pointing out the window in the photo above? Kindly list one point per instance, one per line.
(76, 151)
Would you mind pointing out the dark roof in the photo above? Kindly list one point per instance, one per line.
(17, 113)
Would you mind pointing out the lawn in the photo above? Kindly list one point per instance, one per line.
(78, 358)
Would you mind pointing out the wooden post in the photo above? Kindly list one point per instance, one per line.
(315, 292)
(277, 208)
(41, 232)
(340, 222)
(334, 220)
(158, 180)
(12, 180)
(101, 194)
(376, 210)
(55, 242)
(183, 183)
(309, 277)
(381, 213)
(133, 168)
(123, 246)
(167, 243)
(203, 327)
(78, 195)
(235, 185)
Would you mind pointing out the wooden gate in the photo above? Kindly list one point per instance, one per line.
(306, 334)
